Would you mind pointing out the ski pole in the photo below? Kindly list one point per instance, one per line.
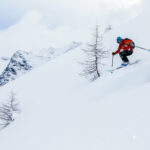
(112, 60)
(142, 48)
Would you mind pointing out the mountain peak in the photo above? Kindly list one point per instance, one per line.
(18, 63)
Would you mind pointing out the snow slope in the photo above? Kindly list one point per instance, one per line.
(62, 111)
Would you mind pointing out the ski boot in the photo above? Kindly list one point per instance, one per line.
(124, 64)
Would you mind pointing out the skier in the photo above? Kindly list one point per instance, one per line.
(125, 49)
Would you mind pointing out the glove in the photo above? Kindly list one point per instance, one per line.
(113, 53)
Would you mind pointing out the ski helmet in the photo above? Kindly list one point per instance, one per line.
(119, 39)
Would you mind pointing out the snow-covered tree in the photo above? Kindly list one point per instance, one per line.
(94, 53)
(8, 111)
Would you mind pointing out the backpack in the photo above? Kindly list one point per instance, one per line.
(128, 42)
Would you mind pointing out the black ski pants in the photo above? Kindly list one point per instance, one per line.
(124, 55)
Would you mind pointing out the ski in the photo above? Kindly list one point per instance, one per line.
(112, 70)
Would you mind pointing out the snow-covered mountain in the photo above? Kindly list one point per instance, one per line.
(18, 65)
(22, 62)
(54, 52)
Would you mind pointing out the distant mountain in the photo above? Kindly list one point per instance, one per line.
(4, 58)
(54, 52)
(22, 62)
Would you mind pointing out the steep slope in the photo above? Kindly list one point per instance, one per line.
(60, 110)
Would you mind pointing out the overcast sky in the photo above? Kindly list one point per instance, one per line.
(59, 12)
(36, 24)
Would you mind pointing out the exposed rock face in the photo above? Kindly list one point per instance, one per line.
(18, 64)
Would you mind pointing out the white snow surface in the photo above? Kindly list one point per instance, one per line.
(62, 111)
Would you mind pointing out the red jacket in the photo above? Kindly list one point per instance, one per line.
(124, 45)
